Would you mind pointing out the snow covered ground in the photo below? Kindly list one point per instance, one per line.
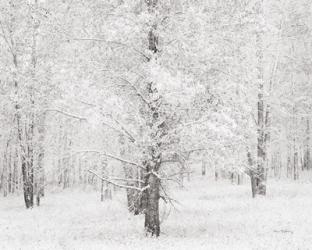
(211, 216)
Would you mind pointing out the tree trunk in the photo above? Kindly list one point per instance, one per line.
(288, 167)
(4, 176)
(152, 223)
(307, 155)
(181, 175)
(102, 181)
(28, 184)
(157, 126)
(40, 168)
(251, 172)
(260, 175)
(203, 168)
(239, 179)
(296, 170)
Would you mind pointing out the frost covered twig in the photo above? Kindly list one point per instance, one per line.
(117, 184)
(124, 179)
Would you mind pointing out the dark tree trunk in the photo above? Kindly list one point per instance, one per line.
(239, 179)
(203, 168)
(296, 170)
(216, 175)
(261, 154)
(253, 185)
(288, 167)
(232, 177)
(28, 187)
(152, 223)
(27, 161)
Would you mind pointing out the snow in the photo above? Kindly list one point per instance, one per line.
(211, 215)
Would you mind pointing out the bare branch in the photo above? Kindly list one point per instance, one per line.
(124, 179)
(182, 172)
(125, 130)
(136, 90)
(119, 131)
(111, 42)
(117, 184)
(122, 129)
(66, 114)
(168, 198)
(113, 157)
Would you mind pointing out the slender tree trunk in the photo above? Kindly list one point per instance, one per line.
(26, 148)
(251, 174)
(239, 179)
(40, 167)
(307, 155)
(5, 171)
(216, 173)
(296, 168)
(288, 174)
(260, 174)
(104, 165)
(203, 168)
(182, 170)
(261, 154)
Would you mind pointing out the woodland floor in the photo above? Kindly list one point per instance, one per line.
(211, 215)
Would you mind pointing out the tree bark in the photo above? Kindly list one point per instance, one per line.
(152, 223)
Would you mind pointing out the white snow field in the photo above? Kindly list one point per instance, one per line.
(211, 215)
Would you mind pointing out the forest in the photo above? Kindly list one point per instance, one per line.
(155, 124)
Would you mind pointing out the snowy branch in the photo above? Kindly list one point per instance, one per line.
(179, 173)
(117, 184)
(125, 179)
